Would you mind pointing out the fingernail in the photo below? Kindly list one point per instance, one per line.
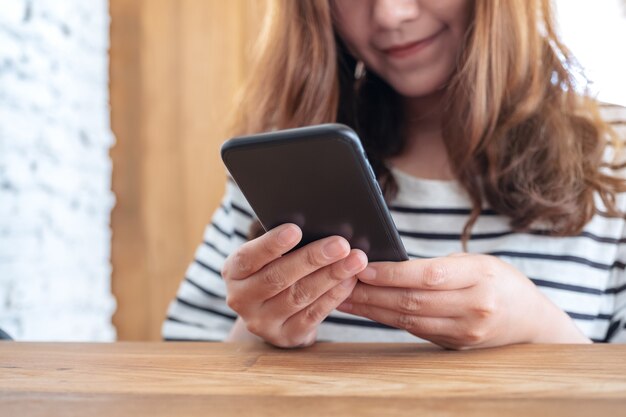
(367, 274)
(287, 236)
(347, 283)
(333, 249)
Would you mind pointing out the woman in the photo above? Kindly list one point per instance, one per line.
(493, 164)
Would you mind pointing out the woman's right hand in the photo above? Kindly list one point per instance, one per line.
(283, 298)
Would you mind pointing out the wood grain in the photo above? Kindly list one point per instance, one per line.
(175, 66)
(343, 379)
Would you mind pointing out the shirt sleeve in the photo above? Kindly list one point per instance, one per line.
(199, 311)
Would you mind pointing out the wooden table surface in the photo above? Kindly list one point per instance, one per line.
(220, 379)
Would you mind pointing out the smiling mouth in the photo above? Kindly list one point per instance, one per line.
(402, 51)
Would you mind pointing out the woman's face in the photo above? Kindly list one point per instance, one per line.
(411, 44)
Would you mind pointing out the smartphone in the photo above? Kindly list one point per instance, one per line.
(317, 177)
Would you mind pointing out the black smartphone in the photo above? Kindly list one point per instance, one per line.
(317, 177)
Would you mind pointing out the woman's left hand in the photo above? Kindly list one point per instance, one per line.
(460, 301)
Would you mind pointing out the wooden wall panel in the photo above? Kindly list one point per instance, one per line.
(175, 67)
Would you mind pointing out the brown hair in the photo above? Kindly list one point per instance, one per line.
(518, 133)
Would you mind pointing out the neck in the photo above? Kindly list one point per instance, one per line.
(423, 114)
(425, 155)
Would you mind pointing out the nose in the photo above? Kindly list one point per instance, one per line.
(390, 14)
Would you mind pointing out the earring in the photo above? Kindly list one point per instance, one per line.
(359, 75)
(359, 70)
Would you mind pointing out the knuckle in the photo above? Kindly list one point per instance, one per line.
(273, 279)
(235, 303)
(310, 339)
(268, 247)
(406, 322)
(391, 274)
(312, 258)
(255, 326)
(237, 264)
(434, 274)
(475, 335)
(241, 261)
(408, 302)
(227, 268)
(312, 316)
(298, 296)
(336, 294)
(486, 308)
(335, 272)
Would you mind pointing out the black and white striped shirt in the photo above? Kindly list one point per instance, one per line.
(585, 275)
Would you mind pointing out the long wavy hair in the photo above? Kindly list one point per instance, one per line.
(519, 133)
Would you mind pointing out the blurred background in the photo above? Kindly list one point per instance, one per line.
(111, 117)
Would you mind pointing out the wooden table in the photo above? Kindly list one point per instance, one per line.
(215, 379)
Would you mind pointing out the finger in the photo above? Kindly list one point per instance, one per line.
(447, 273)
(255, 254)
(284, 271)
(311, 316)
(423, 327)
(453, 303)
(308, 289)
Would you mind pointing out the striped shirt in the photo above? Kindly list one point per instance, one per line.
(584, 275)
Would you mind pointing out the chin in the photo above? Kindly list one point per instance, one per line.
(415, 90)
(420, 84)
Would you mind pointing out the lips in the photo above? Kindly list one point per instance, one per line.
(401, 51)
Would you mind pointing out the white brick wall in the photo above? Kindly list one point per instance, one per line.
(55, 197)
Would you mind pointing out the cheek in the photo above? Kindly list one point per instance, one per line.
(351, 24)
(455, 12)
(458, 21)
